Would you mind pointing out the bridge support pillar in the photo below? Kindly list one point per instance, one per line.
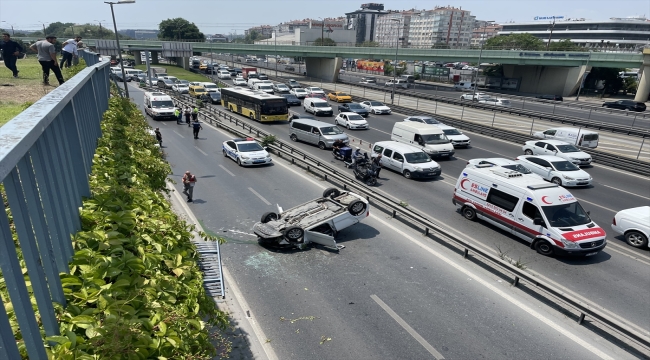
(552, 80)
(154, 58)
(184, 62)
(643, 91)
(323, 68)
(137, 57)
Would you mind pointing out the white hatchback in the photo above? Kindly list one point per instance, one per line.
(557, 148)
(458, 139)
(556, 170)
(351, 120)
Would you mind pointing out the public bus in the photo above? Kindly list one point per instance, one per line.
(255, 105)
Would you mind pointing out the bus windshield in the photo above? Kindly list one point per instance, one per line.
(273, 107)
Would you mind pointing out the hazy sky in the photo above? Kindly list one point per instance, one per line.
(226, 16)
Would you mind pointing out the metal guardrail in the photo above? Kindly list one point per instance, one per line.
(46, 154)
(421, 221)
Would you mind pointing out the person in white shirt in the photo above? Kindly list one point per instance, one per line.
(69, 50)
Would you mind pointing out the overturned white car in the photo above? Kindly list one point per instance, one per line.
(317, 221)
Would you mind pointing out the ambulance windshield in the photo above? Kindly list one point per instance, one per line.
(566, 215)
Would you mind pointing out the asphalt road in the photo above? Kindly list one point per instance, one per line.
(387, 294)
(619, 144)
(594, 112)
(614, 279)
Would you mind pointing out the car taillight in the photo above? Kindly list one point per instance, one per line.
(614, 221)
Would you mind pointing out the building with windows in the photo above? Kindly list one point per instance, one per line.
(447, 27)
(387, 28)
(363, 21)
(632, 32)
(483, 31)
(264, 30)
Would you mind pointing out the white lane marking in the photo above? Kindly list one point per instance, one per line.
(259, 196)
(557, 327)
(408, 328)
(226, 170)
(594, 204)
(627, 192)
(163, 123)
(177, 133)
(622, 250)
(201, 151)
(232, 285)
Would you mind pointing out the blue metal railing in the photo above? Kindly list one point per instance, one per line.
(46, 155)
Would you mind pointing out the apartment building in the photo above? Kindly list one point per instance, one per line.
(484, 31)
(443, 26)
(389, 25)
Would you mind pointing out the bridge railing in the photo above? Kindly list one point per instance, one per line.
(46, 155)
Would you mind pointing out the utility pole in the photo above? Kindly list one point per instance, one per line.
(44, 34)
(551, 34)
(100, 30)
(480, 54)
(392, 94)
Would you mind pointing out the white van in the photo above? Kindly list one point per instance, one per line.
(252, 82)
(262, 86)
(463, 86)
(132, 73)
(159, 105)
(575, 136)
(546, 215)
(634, 224)
(406, 160)
(317, 107)
(426, 137)
(210, 87)
(316, 132)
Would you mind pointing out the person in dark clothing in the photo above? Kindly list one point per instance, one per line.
(158, 136)
(376, 165)
(10, 52)
(196, 126)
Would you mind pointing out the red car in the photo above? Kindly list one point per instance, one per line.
(317, 95)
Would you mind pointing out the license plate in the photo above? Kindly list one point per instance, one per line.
(444, 154)
(591, 254)
(431, 174)
(258, 161)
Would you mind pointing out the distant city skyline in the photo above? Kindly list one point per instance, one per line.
(226, 17)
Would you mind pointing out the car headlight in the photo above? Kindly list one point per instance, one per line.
(245, 158)
(417, 168)
(567, 177)
(431, 151)
(569, 244)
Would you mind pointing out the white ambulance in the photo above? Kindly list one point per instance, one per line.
(546, 215)
(159, 105)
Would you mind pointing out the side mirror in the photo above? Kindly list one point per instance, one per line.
(555, 151)
(538, 221)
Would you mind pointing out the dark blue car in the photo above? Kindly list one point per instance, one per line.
(353, 107)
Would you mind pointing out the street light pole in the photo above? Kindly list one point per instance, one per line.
(480, 54)
(584, 77)
(117, 38)
(275, 45)
(551, 34)
(13, 33)
(392, 94)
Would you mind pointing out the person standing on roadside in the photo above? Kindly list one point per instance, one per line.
(177, 114)
(195, 113)
(158, 136)
(189, 180)
(10, 52)
(188, 115)
(69, 51)
(47, 59)
(80, 46)
(196, 126)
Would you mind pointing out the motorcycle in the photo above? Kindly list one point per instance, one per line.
(365, 173)
(344, 154)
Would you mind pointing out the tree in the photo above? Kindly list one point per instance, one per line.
(324, 42)
(57, 28)
(179, 29)
(613, 83)
(515, 42)
(369, 44)
(565, 45)
(251, 37)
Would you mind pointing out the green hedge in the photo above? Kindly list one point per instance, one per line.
(134, 290)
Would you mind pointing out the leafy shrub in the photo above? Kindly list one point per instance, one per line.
(268, 140)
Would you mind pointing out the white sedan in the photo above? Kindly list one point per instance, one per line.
(300, 93)
(458, 139)
(351, 120)
(376, 107)
(239, 81)
(556, 170)
(495, 102)
(181, 88)
(314, 90)
(557, 148)
(476, 97)
(246, 152)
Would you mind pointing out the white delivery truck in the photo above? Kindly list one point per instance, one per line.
(431, 139)
(575, 136)
(546, 215)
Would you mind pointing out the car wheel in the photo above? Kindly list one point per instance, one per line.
(331, 193)
(239, 162)
(543, 247)
(336, 122)
(251, 116)
(225, 154)
(357, 207)
(348, 126)
(294, 234)
(293, 137)
(636, 239)
(528, 152)
(469, 213)
(407, 174)
(321, 145)
(557, 181)
(269, 216)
